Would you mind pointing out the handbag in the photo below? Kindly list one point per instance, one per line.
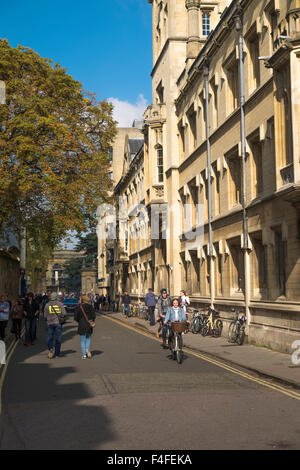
(91, 322)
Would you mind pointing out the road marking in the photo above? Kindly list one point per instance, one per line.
(9, 352)
(2, 376)
(263, 382)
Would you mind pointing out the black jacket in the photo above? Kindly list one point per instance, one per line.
(126, 300)
(84, 327)
(31, 309)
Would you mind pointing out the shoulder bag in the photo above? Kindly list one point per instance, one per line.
(91, 322)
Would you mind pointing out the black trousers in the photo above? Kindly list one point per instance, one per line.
(17, 326)
(151, 315)
(3, 325)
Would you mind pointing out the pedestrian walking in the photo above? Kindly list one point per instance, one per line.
(85, 316)
(4, 315)
(163, 304)
(184, 300)
(97, 302)
(31, 311)
(17, 318)
(126, 303)
(7, 300)
(55, 315)
(150, 302)
(45, 300)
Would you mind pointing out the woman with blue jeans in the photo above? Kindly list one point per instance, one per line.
(82, 315)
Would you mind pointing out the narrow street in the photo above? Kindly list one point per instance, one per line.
(132, 395)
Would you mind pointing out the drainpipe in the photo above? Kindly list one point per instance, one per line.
(208, 153)
(245, 247)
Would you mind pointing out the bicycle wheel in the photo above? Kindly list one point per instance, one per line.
(195, 325)
(205, 328)
(232, 332)
(240, 336)
(218, 328)
(179, 356)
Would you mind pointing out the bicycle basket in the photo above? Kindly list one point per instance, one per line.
(178, 326)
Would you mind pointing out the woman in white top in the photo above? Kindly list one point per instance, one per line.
(184, 300)
(184, 303)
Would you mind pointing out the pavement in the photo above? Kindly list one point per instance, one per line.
(265, 362)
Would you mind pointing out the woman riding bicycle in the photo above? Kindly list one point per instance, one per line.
(175, 313)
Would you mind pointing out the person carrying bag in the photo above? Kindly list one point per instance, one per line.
(85, 316)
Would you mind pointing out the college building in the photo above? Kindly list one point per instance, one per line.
(207, 197)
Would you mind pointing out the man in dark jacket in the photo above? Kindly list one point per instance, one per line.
(31, 311)
(164, 303)
(126, 303)
(150, 303)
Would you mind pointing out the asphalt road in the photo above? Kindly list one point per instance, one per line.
(132, 395)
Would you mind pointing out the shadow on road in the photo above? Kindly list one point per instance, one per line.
(45, 403)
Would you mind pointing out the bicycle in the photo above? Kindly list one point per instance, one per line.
(144, 313)
(175, 341)
(236, 330)
(212, 325)
(135, 311)
(197, 322)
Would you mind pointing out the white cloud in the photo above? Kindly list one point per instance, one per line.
(125, 113)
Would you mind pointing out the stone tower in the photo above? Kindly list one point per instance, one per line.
(180, 29)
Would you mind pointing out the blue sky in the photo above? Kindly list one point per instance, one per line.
(105, 44)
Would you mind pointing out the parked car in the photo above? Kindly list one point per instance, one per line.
(70, 303)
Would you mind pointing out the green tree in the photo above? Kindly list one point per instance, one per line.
(89, 243)
(54, 150)
(72, 272)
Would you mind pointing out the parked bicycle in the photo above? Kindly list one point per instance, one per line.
(212, 324)
(144, 313)
(236, 331)
(134, 311)
(197, 322)
(175, 341)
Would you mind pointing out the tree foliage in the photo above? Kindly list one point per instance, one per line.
(54, 143)
(54, 149)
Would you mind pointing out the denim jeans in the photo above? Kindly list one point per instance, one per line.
(151, 315)
(164, 329)
(126, 309)
(57, 330)
(85, 343)
(30, 325)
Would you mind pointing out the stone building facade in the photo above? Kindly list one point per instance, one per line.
(55, 278)
(221, 150)
(113, 261)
